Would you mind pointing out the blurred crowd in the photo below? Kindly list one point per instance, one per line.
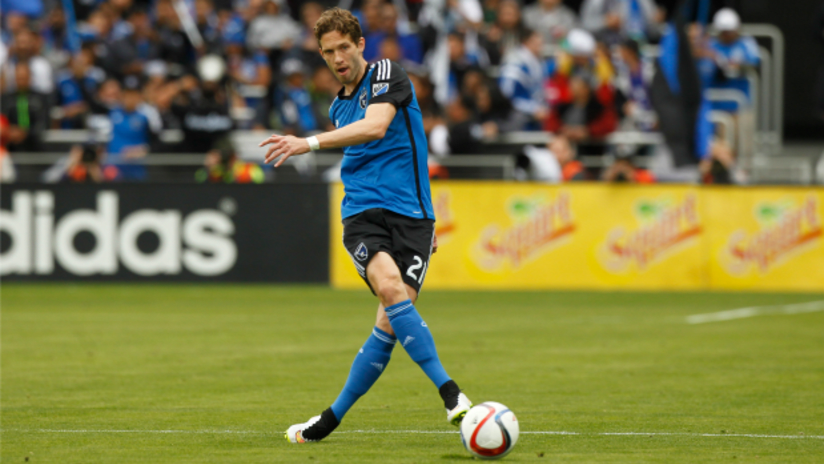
(128, 70)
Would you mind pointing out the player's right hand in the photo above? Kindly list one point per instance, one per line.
(284, 146)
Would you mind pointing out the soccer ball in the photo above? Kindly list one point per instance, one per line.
(489, 430)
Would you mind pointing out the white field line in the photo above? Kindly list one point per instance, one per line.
(428, 432)
(741, 313)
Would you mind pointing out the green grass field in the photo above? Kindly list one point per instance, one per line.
(216, 373)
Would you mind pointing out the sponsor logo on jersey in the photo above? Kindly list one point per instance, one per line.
(664, 228)
(380, 89)
(361, 252)
(539, 225)
(785, 229)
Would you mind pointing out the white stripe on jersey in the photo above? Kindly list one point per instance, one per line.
(384, 70)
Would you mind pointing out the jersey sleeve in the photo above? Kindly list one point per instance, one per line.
(390, 84)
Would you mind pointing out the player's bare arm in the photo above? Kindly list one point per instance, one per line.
(373, 127)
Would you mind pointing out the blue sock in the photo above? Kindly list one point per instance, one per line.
(416, 339)
(369, 364)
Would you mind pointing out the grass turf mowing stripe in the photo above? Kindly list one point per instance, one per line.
(436, 432)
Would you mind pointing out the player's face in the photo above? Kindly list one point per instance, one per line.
(343, 56)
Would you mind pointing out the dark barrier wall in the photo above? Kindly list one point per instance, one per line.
(250, 233)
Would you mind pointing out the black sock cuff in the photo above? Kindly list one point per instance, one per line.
(328, 416)
(323, 427)
(449, 393)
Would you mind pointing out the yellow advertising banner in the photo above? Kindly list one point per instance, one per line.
(766, 238)
(601, 236)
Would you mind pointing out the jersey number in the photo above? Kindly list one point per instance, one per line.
(419, 264)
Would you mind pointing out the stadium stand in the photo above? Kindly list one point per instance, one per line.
(496, 79)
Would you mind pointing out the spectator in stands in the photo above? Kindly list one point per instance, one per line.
(273, 29)
(372, 24)
(551, 18)
(584, 118)
(734, 55)
(632, 85)
(391, 50)
(323, 89)
(207, 24)
(118, 11)
(200, 105)
(107, 97)
(703, 53)
(15, 22)
(27, 111)
(523, 74)
(506, 34)
(466, 133)
(410, 45)
(624, 170)
(98, 28)
(224, 166)
(490, 11)
(133, 126)
(580, 93)
(434, 126)
(30, 8)
(7, 171)
(615, 20)
(492, 106)
(719, 167)
(294, 102)
(309, 14)
(459, 62)
(554, 164)
(84, 8)
(76, 88)
(54, 34)
(84, 165)
(175, 48)
(26, 49)
(249, 68)
(130, 54)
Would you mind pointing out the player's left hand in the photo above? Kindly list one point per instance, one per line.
(284, 146)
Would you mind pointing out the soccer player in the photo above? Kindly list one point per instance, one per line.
(388, 220)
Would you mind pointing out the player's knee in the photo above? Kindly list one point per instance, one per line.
(390, 289)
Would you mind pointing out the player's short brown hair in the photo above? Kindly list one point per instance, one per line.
(338, 20)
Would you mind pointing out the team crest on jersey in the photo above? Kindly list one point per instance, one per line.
(362, 99)
(361, 252)
(380, 89)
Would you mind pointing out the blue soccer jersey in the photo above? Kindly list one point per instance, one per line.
(391, 172)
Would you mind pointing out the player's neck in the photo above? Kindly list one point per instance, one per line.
(349, 88)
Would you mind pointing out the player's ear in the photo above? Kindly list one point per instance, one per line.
(361, 44)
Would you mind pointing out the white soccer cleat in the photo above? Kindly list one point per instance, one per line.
(295, 433)
(456, 415)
